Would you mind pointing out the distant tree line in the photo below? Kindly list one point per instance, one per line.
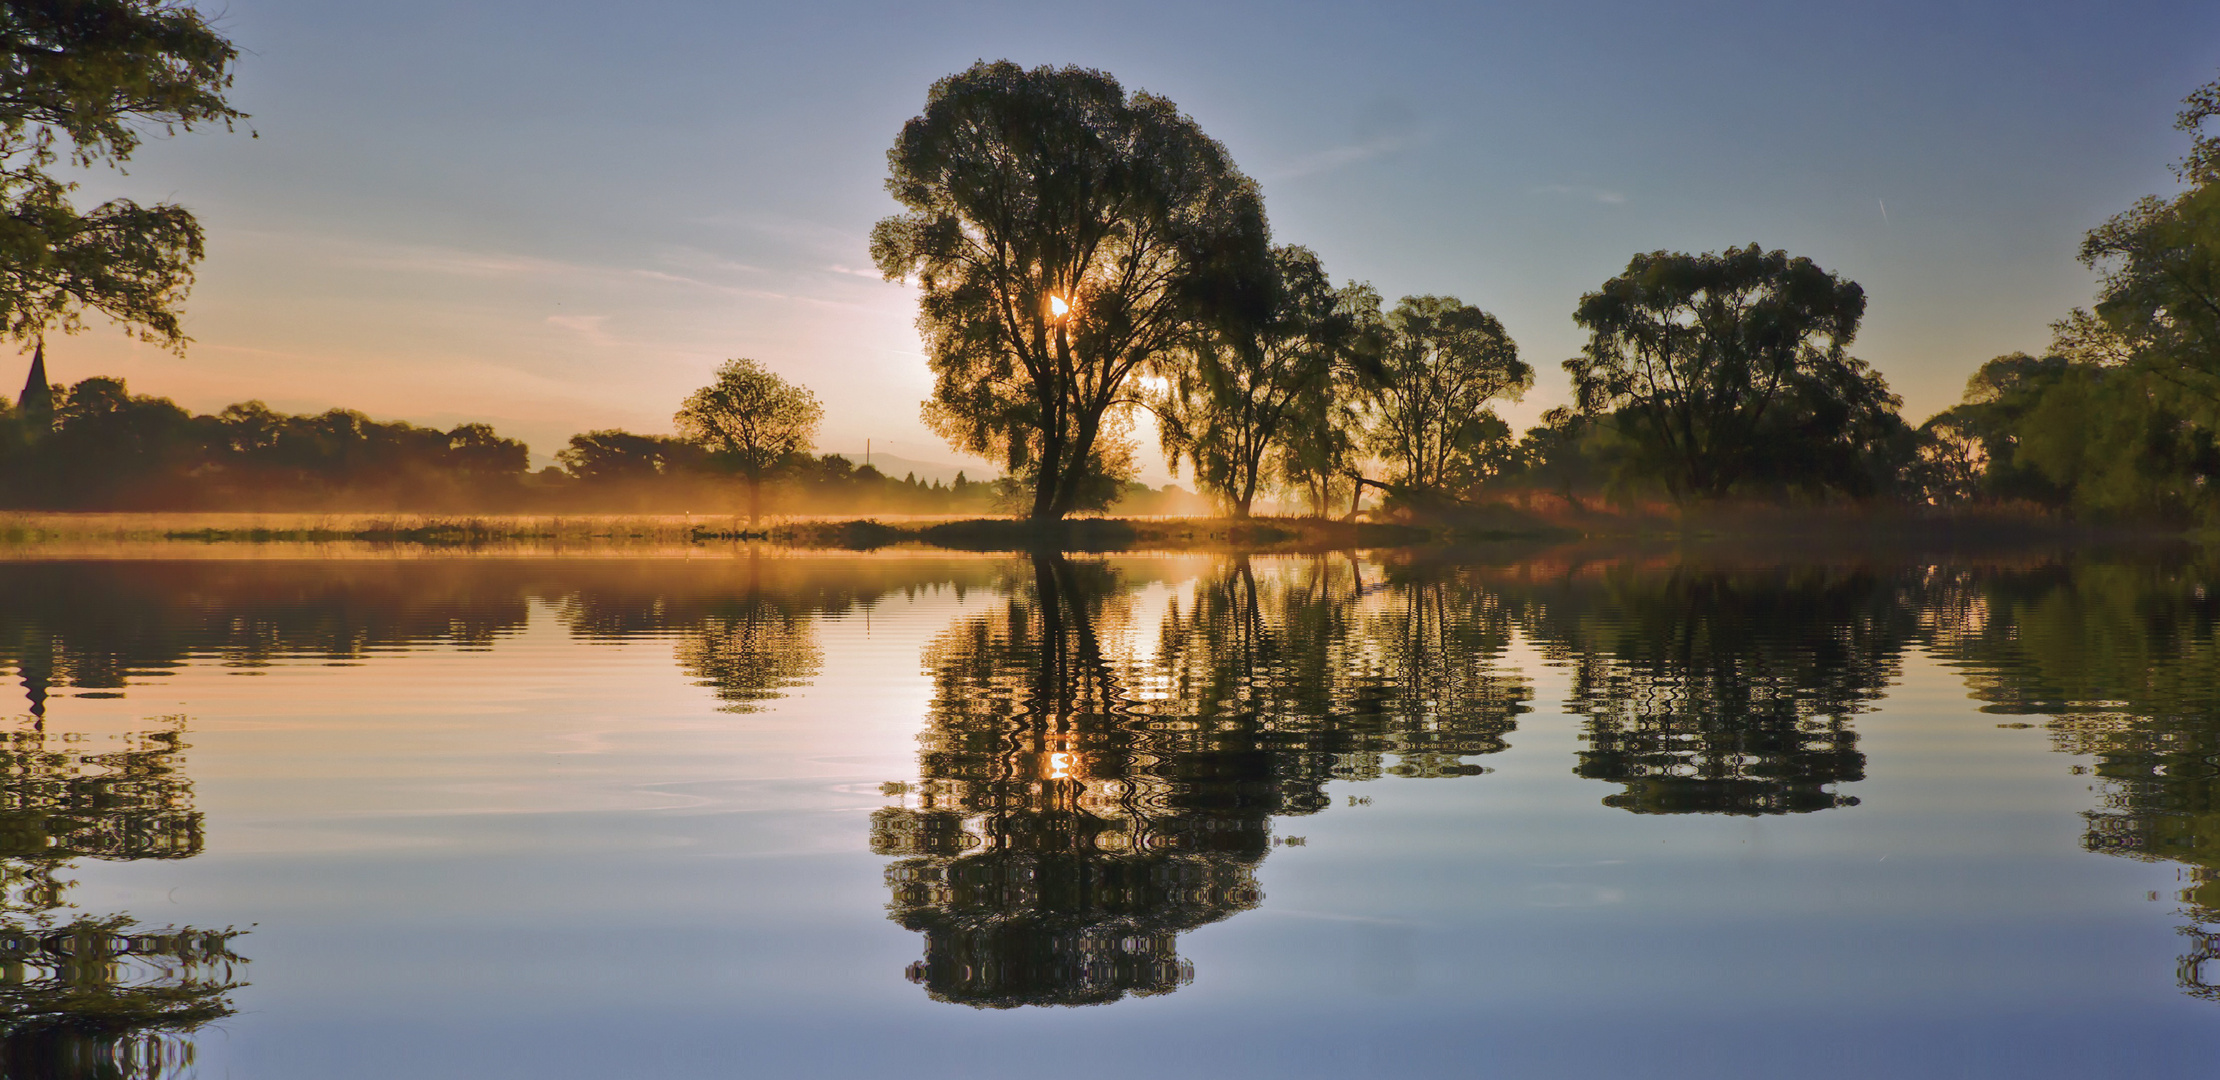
(95, 445)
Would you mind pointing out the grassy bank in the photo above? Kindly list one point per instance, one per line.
(663, 531)
(1762, 525)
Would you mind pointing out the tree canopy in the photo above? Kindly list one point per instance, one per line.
(1265, 366)
(1445, 363)
(1062, 231)
(752, 420)
(1732, 367)
(91, 76)
(2160, 296)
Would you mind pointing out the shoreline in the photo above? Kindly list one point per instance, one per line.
(1753, 528)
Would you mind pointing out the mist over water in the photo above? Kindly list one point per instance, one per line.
(1560, 812)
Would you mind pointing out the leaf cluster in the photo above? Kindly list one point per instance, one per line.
(91, 77)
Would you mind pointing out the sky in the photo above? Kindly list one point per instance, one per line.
(557, 217)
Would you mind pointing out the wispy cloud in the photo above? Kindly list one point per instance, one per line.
(1582, 191)
(589, 327)
(1341, 157)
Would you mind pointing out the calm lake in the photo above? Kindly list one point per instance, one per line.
(1552, 812)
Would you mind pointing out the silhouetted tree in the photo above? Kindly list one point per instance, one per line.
(752, 420)
(1446, 362)
(1059, 229)
(1266, 365)
(1731, 368)
(613, 456)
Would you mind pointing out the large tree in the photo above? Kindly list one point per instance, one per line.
(752, 421)
(1265, 366)
(84, 80)
(1061, 231)
(1444, 364)
(1732, 367)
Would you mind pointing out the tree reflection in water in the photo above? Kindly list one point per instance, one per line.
(1725, 692)
(1101, 764)
(99, 996)
(2125, 659)
(1080, 809)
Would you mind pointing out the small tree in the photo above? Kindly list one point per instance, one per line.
(752, 420)
(1445, 363)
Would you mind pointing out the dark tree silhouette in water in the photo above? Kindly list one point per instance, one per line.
(2124, 660)
(1334, 682)
(751, 649)
(1061, 843)
(1724, 692)
(1061, 231)
(89, 996)
(1067, 829)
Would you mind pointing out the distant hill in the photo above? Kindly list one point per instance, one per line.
(897, 466)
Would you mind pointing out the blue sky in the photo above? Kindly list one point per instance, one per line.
(560, 216)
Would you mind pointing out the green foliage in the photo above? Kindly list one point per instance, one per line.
(2110, 438)
(2160, 296)
(2103, 441)
(2121, 421)
(94, 75)
(1729, 371)
(1033, 190)
(1255, 388)
(1444, 363)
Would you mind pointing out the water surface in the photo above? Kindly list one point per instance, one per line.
(1554, 813)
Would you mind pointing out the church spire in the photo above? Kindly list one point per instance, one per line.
(37, 402)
